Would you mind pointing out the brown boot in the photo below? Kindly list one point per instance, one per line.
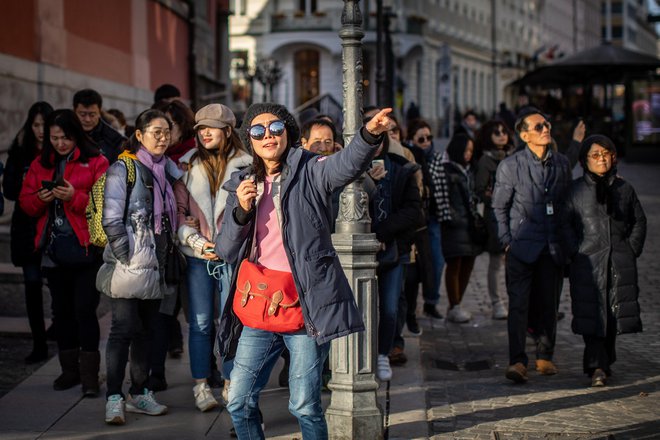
(89, 372)
(70, 376)
(545, 367)
(517, 373)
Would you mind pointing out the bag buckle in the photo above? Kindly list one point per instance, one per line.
(275, 301)
(245, 293)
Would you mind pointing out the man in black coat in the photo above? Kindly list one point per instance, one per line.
(87, 104)
(530, 188)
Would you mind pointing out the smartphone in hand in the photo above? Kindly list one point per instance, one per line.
(50, 184)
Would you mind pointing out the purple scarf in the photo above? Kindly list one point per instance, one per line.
(163, 193)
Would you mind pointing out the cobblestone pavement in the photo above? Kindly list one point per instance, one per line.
(469, 398)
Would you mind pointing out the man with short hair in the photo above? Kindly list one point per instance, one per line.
(167, 93)
(87, 105)
(318, 136)
(530, 187)
(469, 124)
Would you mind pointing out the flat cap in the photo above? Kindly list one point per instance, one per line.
(215, 115)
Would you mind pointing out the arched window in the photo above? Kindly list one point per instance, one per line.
(306, 63)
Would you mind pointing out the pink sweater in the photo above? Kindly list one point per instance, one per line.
(270, 247)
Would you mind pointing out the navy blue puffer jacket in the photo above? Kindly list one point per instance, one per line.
(526, 187)
(307, 183)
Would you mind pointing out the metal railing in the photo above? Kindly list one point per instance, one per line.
(326, 105)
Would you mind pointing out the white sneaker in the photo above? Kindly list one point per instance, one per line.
(500, 311)
(145, 404)
(204, 399)
(383, 370)
(458, 315)
(114, 410)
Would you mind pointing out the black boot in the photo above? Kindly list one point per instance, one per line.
(89, 372)
(70, 376)
(35, 311)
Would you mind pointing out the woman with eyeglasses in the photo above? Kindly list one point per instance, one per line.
(429, 263)
(25, 147)
(396, 214)
(606, 229)
(278, 218)
(201, 202)
(56, 191)
(495, 141)
(140, 221)
(168, 337)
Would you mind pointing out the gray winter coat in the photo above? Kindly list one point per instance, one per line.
(605, 248)
(525, 188)
(133, 259)
(307, 182)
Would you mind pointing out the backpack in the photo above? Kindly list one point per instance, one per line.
(94, 209)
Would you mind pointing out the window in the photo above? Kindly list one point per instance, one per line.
(238, 7)
(465, 97)
(473, 91)
(239, 76)
(307, 6)
(617, 32)
(418, 85)
(306, 63)
(482, 97)
(455, 88)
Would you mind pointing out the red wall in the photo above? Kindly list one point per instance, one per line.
(105, 22)
(99, 38)
(17, 24)
(168, 48)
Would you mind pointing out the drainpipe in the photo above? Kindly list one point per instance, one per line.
(192, 56)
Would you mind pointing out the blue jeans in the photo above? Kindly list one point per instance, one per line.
(435, 239)
(390, 284)
(256, 355)
(202, 291)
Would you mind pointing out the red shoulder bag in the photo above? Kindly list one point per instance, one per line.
(267, 299)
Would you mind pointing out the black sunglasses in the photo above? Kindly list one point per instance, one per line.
(421, 139)
(258, 131)
(498, 132)
(540, 126)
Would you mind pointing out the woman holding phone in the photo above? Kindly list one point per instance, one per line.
(396, 214)
(201, 202)
(278, 218)
(56, 192)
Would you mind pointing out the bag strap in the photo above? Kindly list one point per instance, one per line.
(131, 172)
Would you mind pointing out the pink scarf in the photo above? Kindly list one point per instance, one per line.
(163, 193)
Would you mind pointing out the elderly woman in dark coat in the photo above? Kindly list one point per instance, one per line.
(607, 228)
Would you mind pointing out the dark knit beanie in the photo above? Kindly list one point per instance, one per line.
(292, 130)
